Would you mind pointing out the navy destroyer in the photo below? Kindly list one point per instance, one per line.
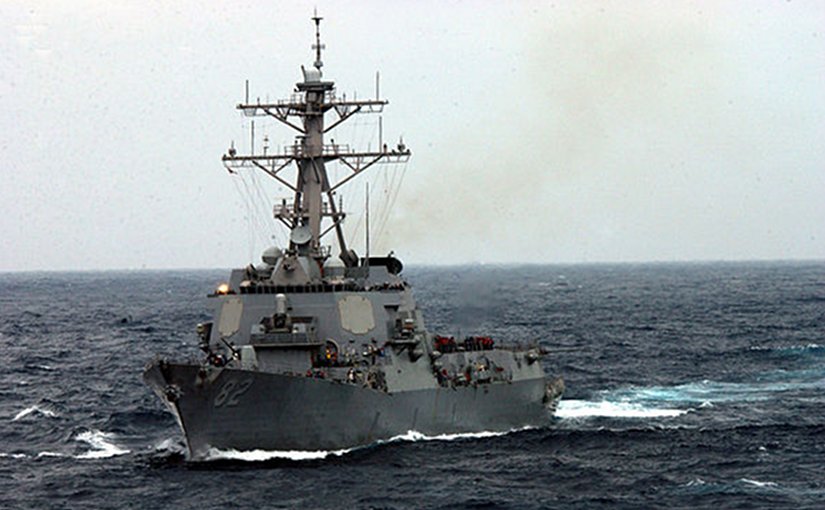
(311, 351)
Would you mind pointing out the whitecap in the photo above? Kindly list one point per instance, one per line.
(606, 409)
(101, 444)
(50, 454)
(34, 409)
(806, 347)
(757, 483)
(707, 391)
(169, 443)
(13, 455)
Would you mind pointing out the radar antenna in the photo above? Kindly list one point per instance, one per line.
(318, 46)
(313, 200)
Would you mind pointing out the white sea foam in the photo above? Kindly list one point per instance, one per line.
(13, 455)
(168, 444)
(806, 347)
(101, 443)
(34, 409)
(757, 483)
(40, 455)
(707, 392)
(264, 455)
(695, 482)
(672, 401)
(50, 454)
(409, 436)
(414, 435)
(606, 409)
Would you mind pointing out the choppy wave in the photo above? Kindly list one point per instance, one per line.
(43, 367)
(34, 410)
(101, 443)
(606, 409)
(26, 455)
(757, 483)
(697, 386)
(789, 348)
(50, 454)
(657, 401)
(101, 446)
(707, 392)
(13, 455)
(728, 486)
(170, 444)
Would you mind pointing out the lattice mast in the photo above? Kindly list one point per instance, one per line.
(314, 194)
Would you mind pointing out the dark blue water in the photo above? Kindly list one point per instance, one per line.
(688, 386)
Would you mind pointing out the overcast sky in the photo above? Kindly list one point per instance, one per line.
(563, 131)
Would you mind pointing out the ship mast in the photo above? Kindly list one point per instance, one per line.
(313, 192)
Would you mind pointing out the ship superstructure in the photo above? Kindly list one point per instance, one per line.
(309, 351)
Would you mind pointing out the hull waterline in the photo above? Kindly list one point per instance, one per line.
(230, 409)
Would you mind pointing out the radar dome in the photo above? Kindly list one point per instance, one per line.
(271, 255)
(335, 268)
(334, 263)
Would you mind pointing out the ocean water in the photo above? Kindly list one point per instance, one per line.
(688, 386)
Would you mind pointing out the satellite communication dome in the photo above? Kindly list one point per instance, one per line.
(271, 255)
(334, 263)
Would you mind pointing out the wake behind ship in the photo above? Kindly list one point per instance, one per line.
(313, 352)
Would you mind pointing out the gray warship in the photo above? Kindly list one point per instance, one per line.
(312, 352)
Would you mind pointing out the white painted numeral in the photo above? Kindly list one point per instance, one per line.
(231, 392)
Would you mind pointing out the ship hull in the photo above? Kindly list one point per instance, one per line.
(251, 410)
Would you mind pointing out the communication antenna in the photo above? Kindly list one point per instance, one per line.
(314, 196)
(317, 46)
(367, 241)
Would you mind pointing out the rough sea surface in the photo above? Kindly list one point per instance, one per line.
(688, 386)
